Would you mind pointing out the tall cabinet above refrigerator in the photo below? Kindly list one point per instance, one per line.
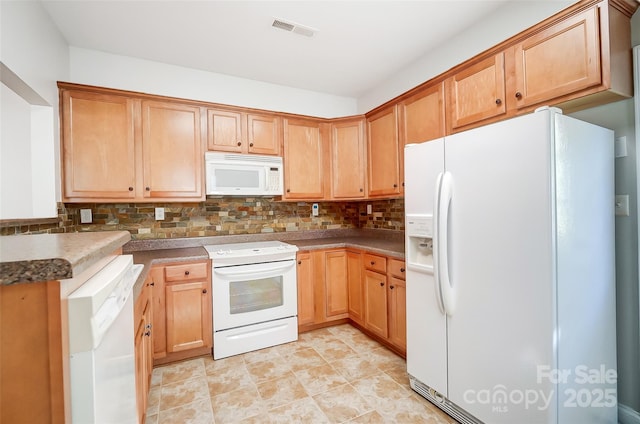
(510, 271)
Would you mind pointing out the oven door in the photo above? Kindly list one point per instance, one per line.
(250, 294)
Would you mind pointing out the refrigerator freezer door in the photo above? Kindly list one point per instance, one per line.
(501, 261)
(426, 324)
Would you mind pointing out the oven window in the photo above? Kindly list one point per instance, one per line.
(255, 295)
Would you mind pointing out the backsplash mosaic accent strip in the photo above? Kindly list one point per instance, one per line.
(219, 216)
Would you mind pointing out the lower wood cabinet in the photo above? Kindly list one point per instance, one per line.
(356, 288)
(143, 346)
(323, 294)
(183, 318)
(375, 294)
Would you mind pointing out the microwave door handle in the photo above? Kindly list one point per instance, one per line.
(261, 270)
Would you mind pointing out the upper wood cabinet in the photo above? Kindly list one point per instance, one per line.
(383, 153)
(120, 148)
(348, 159)
(476, 93)
(233, 131)
(422, 116)
(171, 150)
(98, 146)
(303, 159)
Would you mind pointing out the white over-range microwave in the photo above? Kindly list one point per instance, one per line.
(240, 174)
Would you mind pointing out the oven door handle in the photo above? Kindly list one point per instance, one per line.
(264, 268)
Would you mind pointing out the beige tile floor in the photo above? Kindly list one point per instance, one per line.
(331, 375)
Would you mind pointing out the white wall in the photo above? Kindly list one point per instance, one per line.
(33, 48)
(108, 70)
(503, 23)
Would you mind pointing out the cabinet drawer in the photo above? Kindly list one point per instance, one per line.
(186, 272)
(396, 268)
(375, 263)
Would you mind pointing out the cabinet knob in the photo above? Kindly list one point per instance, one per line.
(401, 269)
(288, 191)
(518, 95)
(148, 333)
(152, 284)
(250, 144)
(148, 188)
(148, 326)
(299, 262)
(186, 273)
(395, 186)
(373, 263)
(204, 291)
(130, 188)
(391, 287)
(381, 284)
(239, 143)
(361, 190)
(498, 101)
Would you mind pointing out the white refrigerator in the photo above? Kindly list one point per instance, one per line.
(510, 272)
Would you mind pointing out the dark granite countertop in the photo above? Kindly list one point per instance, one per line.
(45, 257)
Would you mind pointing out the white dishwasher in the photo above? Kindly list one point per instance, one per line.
(101, 346)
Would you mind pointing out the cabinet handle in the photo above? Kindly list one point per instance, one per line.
(518, 95)
(186, 273)
(395, 186)
(401, 269)
(239, 143)
(148, 333)
(152, 284)
(148, 327)
(373, 263)
(288, 191)
(130, 188)
(148, 188)
(381, 284)
(204, 291)
(361, 190)
(299, 262)
(498, 101)
(391, 287)
(250, 144)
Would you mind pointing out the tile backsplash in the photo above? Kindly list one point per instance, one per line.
(217, 216)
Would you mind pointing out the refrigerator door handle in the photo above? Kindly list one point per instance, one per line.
(436, 243)
(444, 204)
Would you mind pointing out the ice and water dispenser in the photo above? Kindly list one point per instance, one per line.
(419, 231)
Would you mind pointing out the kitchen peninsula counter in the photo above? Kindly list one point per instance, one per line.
(47, 257)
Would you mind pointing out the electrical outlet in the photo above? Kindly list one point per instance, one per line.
(159, 214)
(85, 216)
(369, 209)
(622, 205)
(621, 147)
(314, 209)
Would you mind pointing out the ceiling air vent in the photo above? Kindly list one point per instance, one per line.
(293, 27)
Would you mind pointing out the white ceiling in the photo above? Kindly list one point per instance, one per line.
(359, 44)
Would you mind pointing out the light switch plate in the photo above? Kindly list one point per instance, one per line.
(622, 205)
(314, 209)
(369, 209)
(85, 216)
(159, 214)
(621, 147)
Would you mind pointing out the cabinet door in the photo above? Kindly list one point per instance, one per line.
(263, 134)
(224, 130)
(421, 116)
(303, 160)
(141, 393)
(397, 312)
(375, 287)
(98, 146)
(158, 311)
(476, 93)
(172, 151)
(562, 59)
(347, 149)
(356, 290)
(306, 312)
(383, 151)
(335, 280)
(188, 316)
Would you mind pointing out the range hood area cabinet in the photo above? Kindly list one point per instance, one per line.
(235, 131)
(117, 147)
